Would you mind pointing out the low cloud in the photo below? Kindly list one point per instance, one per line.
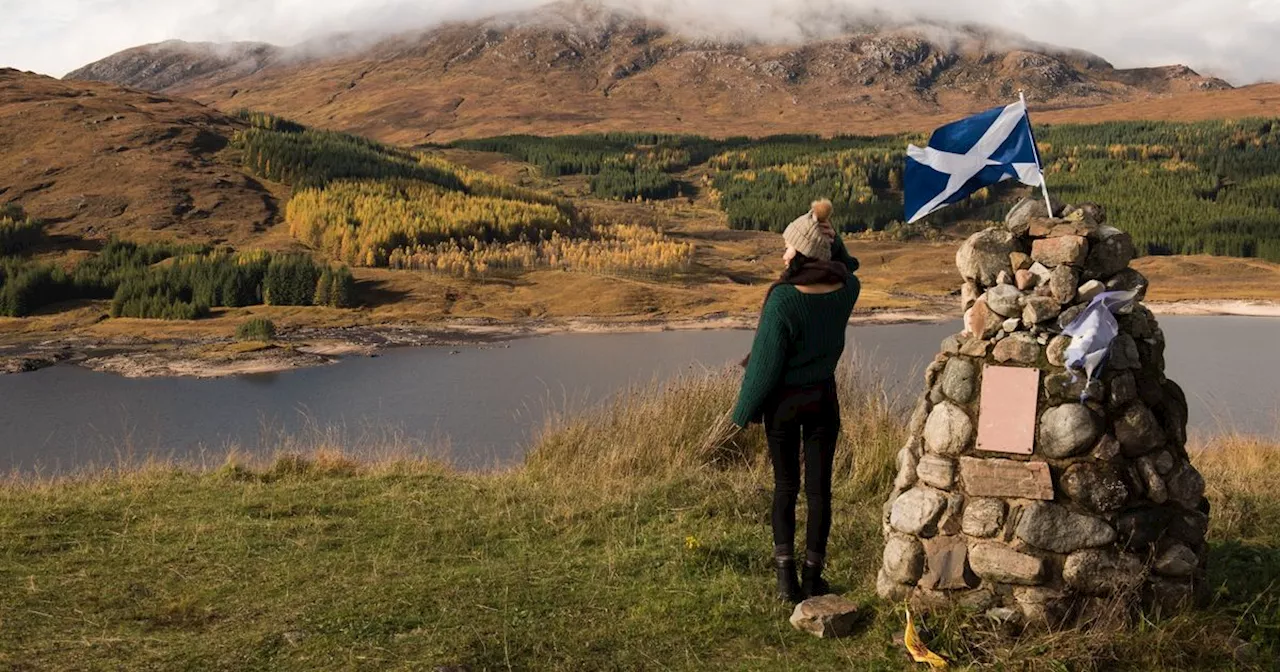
(1233, 39)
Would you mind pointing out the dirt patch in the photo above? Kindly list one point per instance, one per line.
(183, 363)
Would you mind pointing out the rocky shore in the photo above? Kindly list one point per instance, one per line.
(213, 357)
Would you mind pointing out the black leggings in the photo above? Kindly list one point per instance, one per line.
(808, 415)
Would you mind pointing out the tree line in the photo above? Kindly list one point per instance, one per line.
(165, 281)
(1178, 188)
(364, 222)
(18, 233)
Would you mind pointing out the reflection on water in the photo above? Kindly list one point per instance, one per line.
(485, 402)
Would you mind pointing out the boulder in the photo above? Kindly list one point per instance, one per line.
(908, 460)
(946, 564)
(1097, 487)
(916, 512)
(1163, 596)
(1190, 527)
(976, 347)
(958, 379)
(952, 513)
(1074, 228)
(1124, 353)
(1062, 285)
(1069, 315)
(981, 321)
(936, 471)
(1177, 561)
(1067, 430)
(984, 517)
(1107, 448)
(1055, 528)
(1103, 572)
(1089, 291)
(1060, 251)
(1057, 350)
(1086, 212)
(1010, 325)
(1043, 606)
(1005, 300)
(1041, 272)
(827, 616)
(890, 590)
(1156, 489)
(1020, 261)
(1025, 280)
(1040, 309)
(949, 431)
(1067, 387)
(1129, 280)
(985, 255)
(1124, 390)
(994, 561)
(936, 366)
(1140, 324)
(1139, 528)
(903, 559)
(1110, 253)
(1021, 348)
(1138, 430)
(1186, 486)
(969, 293)
(1020, 216)
(1040, 227)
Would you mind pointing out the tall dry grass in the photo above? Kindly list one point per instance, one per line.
(1242, 482)
(680, 429)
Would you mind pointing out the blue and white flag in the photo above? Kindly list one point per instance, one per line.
(967, 155)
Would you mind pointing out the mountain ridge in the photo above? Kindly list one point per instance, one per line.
(581, 67)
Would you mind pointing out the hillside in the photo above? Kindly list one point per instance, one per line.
(94, 160)
(573, 67)
(516, 233)
(624, 519)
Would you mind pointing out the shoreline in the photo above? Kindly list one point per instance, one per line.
(316, 346)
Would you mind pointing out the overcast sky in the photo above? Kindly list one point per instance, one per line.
(1234, 39)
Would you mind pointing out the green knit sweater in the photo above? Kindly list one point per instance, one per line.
(799, 342)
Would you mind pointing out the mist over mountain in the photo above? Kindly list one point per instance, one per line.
(574, 66)
(1231, 38)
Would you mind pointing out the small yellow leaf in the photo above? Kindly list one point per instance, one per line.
(919, 652)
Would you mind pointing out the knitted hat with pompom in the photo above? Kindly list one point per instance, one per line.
(807, 236)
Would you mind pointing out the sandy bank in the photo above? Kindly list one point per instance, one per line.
(1223, 308)
(309, 346)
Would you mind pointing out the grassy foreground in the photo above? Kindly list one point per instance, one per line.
(627, 541)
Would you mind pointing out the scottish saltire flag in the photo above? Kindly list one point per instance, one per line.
(967, 155)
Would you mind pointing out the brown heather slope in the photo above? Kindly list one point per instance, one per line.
(573, 67)
(95, 160)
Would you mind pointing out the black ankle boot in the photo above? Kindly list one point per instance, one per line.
(812, 583)
(788, 586)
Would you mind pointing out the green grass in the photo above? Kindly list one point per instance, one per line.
(628, 541)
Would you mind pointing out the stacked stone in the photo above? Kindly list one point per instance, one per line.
(1107, 509)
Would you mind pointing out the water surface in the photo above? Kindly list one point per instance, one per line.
(483, 404)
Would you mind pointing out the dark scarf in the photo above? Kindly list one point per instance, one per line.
(806, 272)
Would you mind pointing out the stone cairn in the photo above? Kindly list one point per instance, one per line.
(1104, 507)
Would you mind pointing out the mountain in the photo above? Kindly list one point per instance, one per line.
(572, 67)
(95, 160)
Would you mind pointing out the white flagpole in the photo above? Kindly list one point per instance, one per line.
(1044, 183)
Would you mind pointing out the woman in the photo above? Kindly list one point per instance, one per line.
(790, 386)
